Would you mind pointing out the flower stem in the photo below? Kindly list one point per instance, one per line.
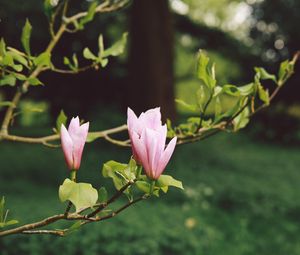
(152, 186)
(73, 175)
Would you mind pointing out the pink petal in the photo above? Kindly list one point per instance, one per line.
(151, 118)
(166, 156)
(151, 142)
(140, 150)
(131, 119)
(67, 146)
(74, 125)
(79, 139)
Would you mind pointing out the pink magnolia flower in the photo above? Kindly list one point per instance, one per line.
(72, 141)
(149, 119)
(148, 138)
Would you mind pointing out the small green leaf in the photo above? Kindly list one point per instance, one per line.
(264, 75)
(218, 106)
(34, 81)
(74, 227)
(75, 60)
(102, 195)
(283, 70)
(263, 95)
(247, 90)
(203, 96)
(25, 38)
(189, 107)
(92, 137)
(8, 80)
(8, 60)
(90, 15)
(61, 119)
(167, 180)
(80, 194)
(18, 56)
(43, 60)
(100, 45)
(11, 222)
(205, 70)
(6, 103)
(88, 54)
(2, 48)
(104, 62)
(231, 90)
(120, 173)
(241, 120)
(117, 48)
(66, 61)
(143, 186)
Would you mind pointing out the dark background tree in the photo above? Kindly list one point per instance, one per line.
(151, 57)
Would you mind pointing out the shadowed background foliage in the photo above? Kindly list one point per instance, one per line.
(241, 193)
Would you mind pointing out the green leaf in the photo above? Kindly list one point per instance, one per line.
(121, 174)
(61, 119)
(205, 71)
(117, 48)
(104, 62)
(49, 6)
(2, 48)
(102, 195)
(18, 56)
(11, 222)
(66, 61)
(100, 45)
(189, 107)
(34, 81)
(241, 120)
(88, 54)
(283, 70)
(18, 68)
(74, 227)
(143, 186)
(264, 75)
(92, 137)
(6, 103)
(80, 194)
(8, 60)
(167, 180)
(25, 38)
(231, 90)
(8, 80)
(247, 90)
(263, 95)
(90, 15)
(203, 96)
(218, 106)
(75, 60)
(43, 60)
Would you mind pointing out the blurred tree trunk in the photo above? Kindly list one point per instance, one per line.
(151, 57)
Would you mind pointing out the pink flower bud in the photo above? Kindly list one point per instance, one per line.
(72, 141)
(148, 138)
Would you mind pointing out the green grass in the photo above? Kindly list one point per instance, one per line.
(241, 197)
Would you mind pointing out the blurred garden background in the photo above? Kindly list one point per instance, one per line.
(241, 190)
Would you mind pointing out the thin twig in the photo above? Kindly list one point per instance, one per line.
(111, 200)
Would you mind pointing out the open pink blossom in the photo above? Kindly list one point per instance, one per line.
(72, 141)
(148, 139)
(149, 119)
(151, 151)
